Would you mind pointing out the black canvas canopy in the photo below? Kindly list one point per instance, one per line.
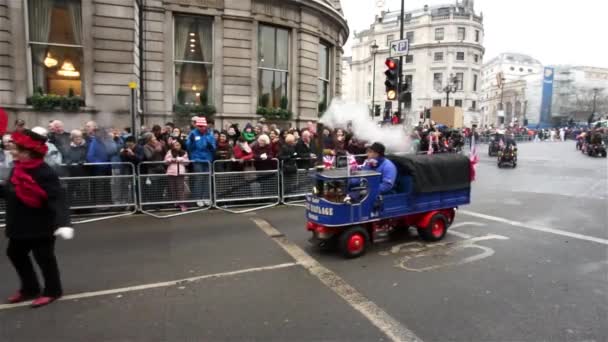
(436, 172)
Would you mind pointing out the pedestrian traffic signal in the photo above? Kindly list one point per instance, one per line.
(392, 78)
(377, 110)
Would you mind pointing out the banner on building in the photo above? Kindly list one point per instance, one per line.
(547, 98)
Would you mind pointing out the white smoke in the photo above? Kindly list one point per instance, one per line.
(340, 113)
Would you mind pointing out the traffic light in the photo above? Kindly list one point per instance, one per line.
(377, 110)
(392, 78)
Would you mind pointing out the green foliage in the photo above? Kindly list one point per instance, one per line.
(71, 103)
(284, 102)
(274, 113)
(48, 102)
(45, 103)
(264, 100)
(184, 110)
(204, 98)
(322, 108)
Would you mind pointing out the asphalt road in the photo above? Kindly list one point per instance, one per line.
(526, 261)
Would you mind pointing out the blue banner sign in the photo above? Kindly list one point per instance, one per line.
(547, 99)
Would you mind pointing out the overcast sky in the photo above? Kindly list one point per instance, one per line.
(552, 31)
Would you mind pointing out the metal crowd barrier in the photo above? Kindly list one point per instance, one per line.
(251, 184)
(160, 191)
(106, 189)
(296, 180)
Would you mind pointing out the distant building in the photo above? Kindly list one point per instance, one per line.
(522, 90)
(444, 40)
(515, 71)
(574, 88)
(347, 79)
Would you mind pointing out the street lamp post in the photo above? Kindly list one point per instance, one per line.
(374, 51)
(451, 87)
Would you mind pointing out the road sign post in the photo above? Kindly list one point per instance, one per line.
(399, 48)
(133, 90)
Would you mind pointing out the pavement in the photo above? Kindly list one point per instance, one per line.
(526, 261)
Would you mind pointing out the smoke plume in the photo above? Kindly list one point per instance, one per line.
(340, 114)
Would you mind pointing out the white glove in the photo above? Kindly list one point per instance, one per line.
(264, 156)
(65, 233)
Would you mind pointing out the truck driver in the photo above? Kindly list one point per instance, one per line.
(377, 162)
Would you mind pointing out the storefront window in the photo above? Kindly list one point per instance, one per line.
(273, 63)
(55, 41)
(323, 86)
(193, 60)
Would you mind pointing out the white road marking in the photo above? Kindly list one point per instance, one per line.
(459, 234)
(158, 285)
(378, 317)
(417, 250)
(537, 228)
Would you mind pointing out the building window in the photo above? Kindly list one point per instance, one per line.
(512, 69)
(477, 36)
(439, 33)
(409, 59)
(193, 60)
(474, 82)
(409, 80)
(389, 39)
(458, 103)
(476, 58)
(438, 57)
(521, 69)
(529, 70)
(436, 103)
(323, 86)
(273, 64)
(473, 105)
(437, 81)
(369, 89)
(461, 33)
(460, 56)
(55, 40)
(410, 37)
(460, 80)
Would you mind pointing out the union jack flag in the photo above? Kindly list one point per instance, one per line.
(352, 162)
(328, 161)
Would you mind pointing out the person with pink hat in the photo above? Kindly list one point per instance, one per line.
(201, 147)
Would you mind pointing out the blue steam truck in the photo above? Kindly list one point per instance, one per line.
(347, 211)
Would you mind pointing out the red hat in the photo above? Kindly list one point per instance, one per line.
(30, 141)
(201, 122)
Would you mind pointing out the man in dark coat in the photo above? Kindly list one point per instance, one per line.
(36, 212)
(306, 150)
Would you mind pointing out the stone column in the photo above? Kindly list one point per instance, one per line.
(6, 58)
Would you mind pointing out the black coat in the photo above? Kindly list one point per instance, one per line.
(61, 141)
(288, 156)
(23, 222)
(305, 152)
(76, 155)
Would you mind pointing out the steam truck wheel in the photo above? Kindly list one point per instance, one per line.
(353, 242)
(436, 229)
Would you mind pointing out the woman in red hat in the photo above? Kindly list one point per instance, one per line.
(36, 212)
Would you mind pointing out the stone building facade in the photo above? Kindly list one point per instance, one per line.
(519, 91)
(234, 55)
(445, 40)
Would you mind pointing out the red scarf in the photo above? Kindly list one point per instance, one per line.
(26, 188)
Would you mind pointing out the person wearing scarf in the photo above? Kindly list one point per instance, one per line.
(249, 134)
(36, 212)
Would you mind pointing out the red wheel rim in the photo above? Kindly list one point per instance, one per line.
(438, 228)
(355, 243)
